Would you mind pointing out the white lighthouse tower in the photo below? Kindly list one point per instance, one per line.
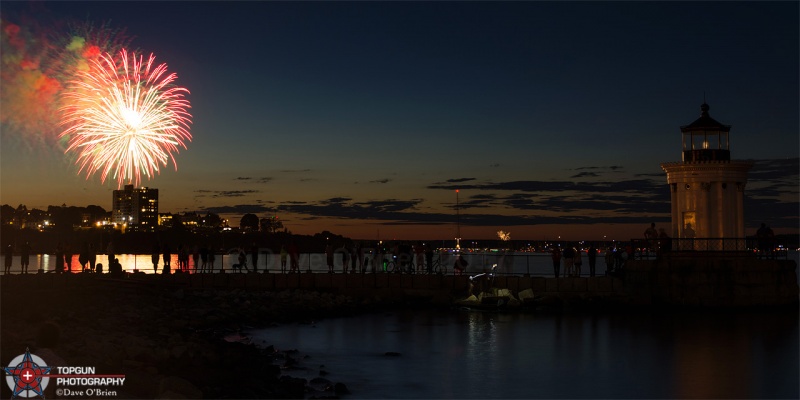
(707, 187)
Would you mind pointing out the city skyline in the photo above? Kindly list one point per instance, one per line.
(551, 119)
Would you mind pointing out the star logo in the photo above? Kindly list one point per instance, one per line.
(26, 375)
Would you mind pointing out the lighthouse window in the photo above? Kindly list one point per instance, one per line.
(724, 185)
(688, 186)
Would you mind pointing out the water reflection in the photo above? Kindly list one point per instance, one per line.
(484, 355)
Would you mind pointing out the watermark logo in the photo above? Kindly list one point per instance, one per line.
(26, 375)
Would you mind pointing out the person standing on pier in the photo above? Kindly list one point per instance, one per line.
(211, 257)
(8, 256)
(110, 252)
(83, 257)
(92, 256)
(254, 256)
(609, 260)
(428, 258)
(284, 253)
(569, 259)
(345, 257)
(167, 256)
(195, 256)
(577, 262)
(651, 236)
(328, 257)
(67, 258)
(294, 255)
(592, 259)
(24, 256)
(203, 257)
(555, 254)
(155, 255)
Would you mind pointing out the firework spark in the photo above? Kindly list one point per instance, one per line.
(125, 117)
(38, 58)
(504, 236)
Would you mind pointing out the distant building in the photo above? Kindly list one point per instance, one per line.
(707, 187)
(136, 207)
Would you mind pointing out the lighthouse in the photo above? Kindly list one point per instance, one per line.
(707, 187)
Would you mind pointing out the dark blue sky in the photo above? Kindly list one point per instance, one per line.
(358, 117)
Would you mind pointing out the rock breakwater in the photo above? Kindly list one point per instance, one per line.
(169, 342)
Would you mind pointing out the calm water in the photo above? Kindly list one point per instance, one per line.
(466, 354)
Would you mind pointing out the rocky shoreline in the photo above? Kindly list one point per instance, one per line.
(168, 341)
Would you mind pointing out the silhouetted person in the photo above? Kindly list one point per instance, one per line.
(609, 257)
(284, 255)
(353, 258)
(24, 256)
(110, 252)
(460, 265)
(329, 257)
(254, 257)
(664, 242)
(345, 257)
(619, 259)
(771, 242)
(592, 255)
(83, 257)
(688, 234)
(212, 255)
(419, 253)
(569, 260)
(651, 236)
(294, 256)
(555, 254)
(68, 258)
(92, 257)
(360, 254)
(9, 256)
(429, 258)
(763, 237)
(577, 262)
(115, 268)
(195, 256)
(203, 257)
(167, 256)
(242, 260)
(155, 255)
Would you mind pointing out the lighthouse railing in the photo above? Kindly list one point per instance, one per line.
(647, 249)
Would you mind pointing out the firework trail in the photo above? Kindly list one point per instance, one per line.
(125, 117)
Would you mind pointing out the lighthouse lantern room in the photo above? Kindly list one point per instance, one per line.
(707, 187)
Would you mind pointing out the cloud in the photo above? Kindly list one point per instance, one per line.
(239, 209)
(637, 185)
(585, 175)
(292, 171)
(384, 180)
(224, 193)
(459, 180)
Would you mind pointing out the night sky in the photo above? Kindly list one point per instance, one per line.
(363, 119)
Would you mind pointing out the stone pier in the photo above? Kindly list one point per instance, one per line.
(698, 281)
